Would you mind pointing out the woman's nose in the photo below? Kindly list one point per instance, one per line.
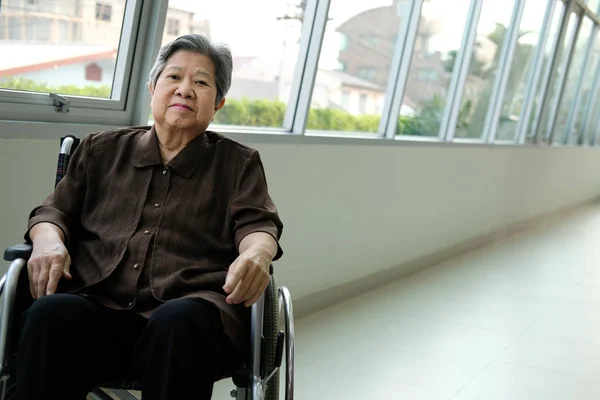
(185, 90)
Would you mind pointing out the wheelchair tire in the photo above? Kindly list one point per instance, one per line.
(271, 330)
(10, 391)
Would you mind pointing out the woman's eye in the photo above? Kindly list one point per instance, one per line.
(201, 82)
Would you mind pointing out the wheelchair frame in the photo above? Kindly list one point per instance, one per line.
(251, 384)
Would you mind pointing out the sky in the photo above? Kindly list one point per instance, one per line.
(252, 28)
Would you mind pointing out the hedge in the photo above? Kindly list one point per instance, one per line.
(34, 86)
(268, 113)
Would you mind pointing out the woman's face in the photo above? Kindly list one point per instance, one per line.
(185, 92)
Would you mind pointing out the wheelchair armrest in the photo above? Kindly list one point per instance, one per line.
(22, 250)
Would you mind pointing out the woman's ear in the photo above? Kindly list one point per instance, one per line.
(220, 105)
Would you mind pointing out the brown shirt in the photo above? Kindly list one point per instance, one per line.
(141, 233)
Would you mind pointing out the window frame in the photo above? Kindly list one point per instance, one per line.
(129, 103)
(492, 118)
(40, 107)
(535, 74)
(589, 119)
(551, 105)
(574, 107)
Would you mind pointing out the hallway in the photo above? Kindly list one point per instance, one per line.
(519, 319)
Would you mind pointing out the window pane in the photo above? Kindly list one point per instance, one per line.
(354, 65)
(535, 118)
(594, 127)
(264, 39)
(594, 5)
(576, 69)
(586, 94)
(567, 97)
(439, 38)
(54, 43)
(491, 32)
(63, 31)
(522, 63)
(594, 115)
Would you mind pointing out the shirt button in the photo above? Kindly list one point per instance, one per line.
(156, 205)
(146, 232)
(164, 172)
(130, 304)
(136, 266)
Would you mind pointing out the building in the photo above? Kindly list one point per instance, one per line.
(367, 45)
(181, 22)
(93, 22)
(72, 42)
(59, 65)
(337, 89)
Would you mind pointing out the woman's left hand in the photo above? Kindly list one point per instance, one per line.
(248, 276)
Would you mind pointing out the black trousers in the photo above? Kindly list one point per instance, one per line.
(68, 344)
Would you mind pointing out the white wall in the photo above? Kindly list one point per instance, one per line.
(352, 210)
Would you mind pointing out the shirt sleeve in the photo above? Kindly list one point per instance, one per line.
(63, 206)
(252, 208)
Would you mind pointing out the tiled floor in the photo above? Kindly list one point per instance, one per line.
(517, 320)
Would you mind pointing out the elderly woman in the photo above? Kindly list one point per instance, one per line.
(149, 252)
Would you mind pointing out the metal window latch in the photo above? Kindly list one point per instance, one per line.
(61, 104)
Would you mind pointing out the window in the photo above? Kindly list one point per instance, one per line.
(76, 34)
(15, 28)
(439, 36)
(343, 42)
(534, 118)
(554, 91)
(37, 28)
(594, 5)
(577, 68)
(61, 68)
(346, 100)
(77, 8)
(63, 31)
(173, 27)
(521, 68)
(54, 54)
(103, 12)
(370, 40)
(427, 75)
(366, 68)
(368, 73)
(583, 122)
(593, 130)
(264, 45)
(362, 104)
(493, 25)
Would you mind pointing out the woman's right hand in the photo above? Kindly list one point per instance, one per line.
(49, 261)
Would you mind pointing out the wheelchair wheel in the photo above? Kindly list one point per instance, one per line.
(271, 331)
(10, 390)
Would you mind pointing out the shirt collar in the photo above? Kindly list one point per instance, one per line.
(147, 153)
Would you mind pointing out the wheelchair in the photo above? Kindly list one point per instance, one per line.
(258, 376)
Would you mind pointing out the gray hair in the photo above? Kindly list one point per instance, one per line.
(219, 53)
